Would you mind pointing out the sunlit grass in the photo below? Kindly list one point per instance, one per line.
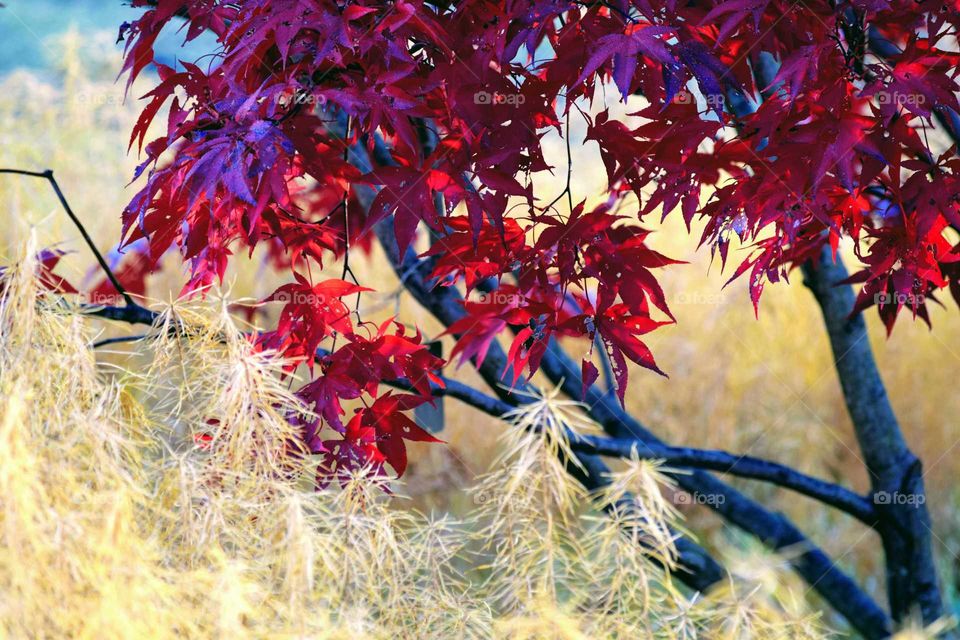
(116, 521)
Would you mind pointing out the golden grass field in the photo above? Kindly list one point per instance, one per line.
(108, 529)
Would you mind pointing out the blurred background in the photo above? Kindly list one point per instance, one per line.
(759, 386)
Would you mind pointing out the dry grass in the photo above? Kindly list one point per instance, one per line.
(116, 523)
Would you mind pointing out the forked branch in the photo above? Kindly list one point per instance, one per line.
(48, 176)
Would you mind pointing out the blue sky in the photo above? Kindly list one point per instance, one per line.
(28, 26)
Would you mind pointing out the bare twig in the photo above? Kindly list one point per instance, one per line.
(48, 176)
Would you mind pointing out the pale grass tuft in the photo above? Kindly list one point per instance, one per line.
(528, 504)
(636, 496)
(168, 500)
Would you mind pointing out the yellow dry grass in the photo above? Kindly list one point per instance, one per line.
(115, 523)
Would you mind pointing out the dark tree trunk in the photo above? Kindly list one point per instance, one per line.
(896, 476)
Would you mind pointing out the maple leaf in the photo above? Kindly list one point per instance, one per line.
(310, 312)
(798, 68)
(408, 194)
(360, 367)
(618, 331)
(625, 49)
(374, 436)
(735, 12)
(393, 427)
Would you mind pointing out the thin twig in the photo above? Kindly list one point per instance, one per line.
(118, 340)
(48, 176)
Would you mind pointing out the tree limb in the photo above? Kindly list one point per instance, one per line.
(904, 526)
(736, 465)
(773, 529)
(48, 176)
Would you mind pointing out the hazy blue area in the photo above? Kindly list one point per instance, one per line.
(28, 29)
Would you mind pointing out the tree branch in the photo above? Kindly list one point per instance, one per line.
(131, 314)
(773, 529)
(741, 466)
(904, 526)
(48, 176)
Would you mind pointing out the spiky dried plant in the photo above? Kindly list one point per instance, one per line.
(171, 501)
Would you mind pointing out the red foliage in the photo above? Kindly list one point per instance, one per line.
(253, 151)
